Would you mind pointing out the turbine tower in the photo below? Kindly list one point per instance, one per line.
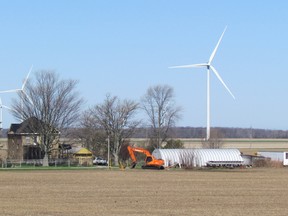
(209, 67)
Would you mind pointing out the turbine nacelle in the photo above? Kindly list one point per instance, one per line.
(3, 106)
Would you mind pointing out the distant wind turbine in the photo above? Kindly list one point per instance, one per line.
(1, 113)
(209, 66)
(22, 88)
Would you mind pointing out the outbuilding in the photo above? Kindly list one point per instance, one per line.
(83, 155)
(275, 156)
(199, 157)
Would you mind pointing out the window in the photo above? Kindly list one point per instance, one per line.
(28, 140)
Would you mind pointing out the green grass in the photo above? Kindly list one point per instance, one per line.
(25, 167)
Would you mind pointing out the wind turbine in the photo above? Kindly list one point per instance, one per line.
(209, 67)
(1, 112)
(22, 88)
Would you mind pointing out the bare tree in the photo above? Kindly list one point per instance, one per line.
(159, 105)
(53, 102)
(91, 134)
(215, 141)
(116, 118)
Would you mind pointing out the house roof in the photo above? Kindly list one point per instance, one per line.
(83, 151)
(28, 126)
(14, 128)
(79, 151)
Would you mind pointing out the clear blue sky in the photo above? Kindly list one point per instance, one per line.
(124, 47)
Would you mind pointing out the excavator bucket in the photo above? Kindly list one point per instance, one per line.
(133, 165)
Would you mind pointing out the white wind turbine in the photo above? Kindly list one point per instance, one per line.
(1, 113)
(22, 88)
(209, 66)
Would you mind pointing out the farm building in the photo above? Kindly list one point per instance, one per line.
(275, 156)
(250, 160)
(199, 157)
(24, 140)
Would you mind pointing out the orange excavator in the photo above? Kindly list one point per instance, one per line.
(150, 161)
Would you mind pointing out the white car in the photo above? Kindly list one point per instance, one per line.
(100, 161)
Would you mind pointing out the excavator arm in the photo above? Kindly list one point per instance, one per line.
(132, 156)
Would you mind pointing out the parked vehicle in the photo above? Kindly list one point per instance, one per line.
(100, 161)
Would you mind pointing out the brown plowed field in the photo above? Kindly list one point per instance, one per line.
(144, 192)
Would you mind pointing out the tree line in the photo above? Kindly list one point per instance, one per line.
(228, 132)
(185, 133)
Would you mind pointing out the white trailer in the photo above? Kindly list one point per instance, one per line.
(275, 156)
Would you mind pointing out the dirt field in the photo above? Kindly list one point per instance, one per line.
(144, 192)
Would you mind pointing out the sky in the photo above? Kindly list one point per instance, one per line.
(124, 47)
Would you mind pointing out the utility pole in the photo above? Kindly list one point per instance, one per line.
(108, 151)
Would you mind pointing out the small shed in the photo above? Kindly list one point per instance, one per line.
(84, 156)
(250, 160)
(199, 157)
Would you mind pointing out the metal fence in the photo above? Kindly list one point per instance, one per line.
(39, 162)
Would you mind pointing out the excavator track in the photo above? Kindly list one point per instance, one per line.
(153, 167)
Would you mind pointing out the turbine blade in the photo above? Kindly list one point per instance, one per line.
(3, 106)
(25, 80)
(215, 49)
(12, 90)
(6, 107)
(191, 66)
(221, 80)
(28, 97)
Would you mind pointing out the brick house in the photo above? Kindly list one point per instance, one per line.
(24, 143)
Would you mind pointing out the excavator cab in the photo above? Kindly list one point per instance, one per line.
(148, 159)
